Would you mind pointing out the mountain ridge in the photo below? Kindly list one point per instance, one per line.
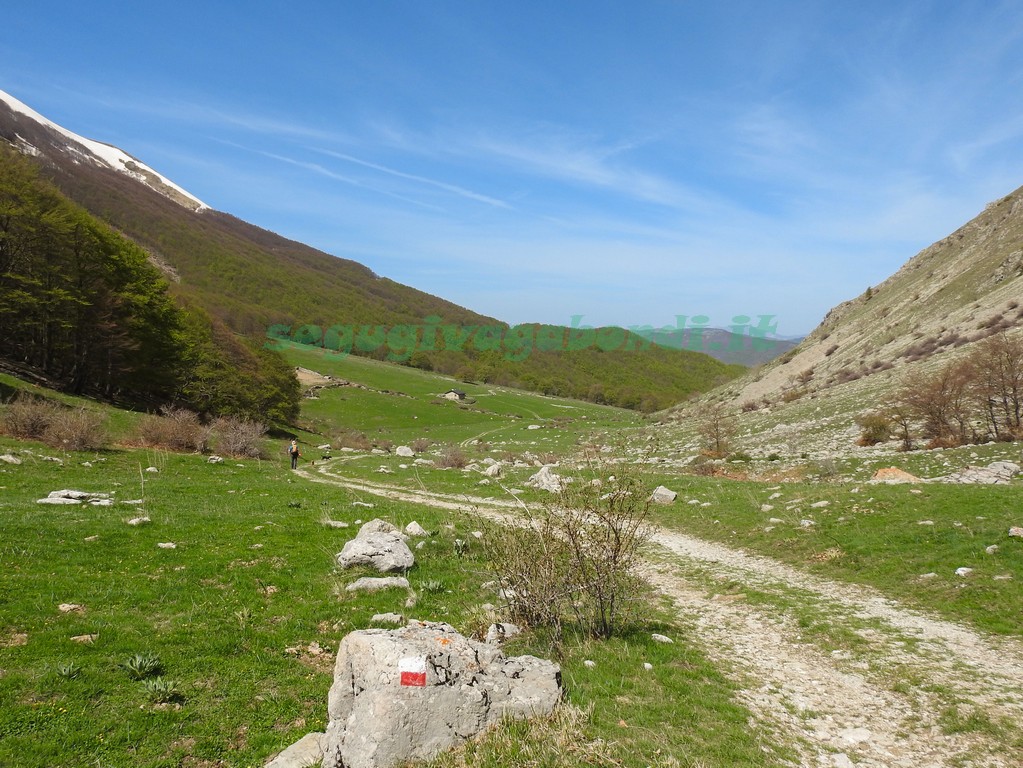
(252, 280)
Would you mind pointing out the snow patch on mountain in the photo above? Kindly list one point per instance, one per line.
(109, 155)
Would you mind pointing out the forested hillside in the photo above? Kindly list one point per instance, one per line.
(82, 309)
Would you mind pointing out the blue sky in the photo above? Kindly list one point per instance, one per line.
(537, 161)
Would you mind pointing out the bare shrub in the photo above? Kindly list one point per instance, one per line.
(876, 427)
(352, 438)
(177, 429)
(717, 429)
(790, 395)
(421, 444)
(28, 417)
(453, 457)
(575, 560)
(76, 429)
(240, 438)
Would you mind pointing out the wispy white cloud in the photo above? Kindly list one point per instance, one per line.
(326, 172)
(452, 188)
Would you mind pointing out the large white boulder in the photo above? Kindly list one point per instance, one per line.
(411, 693)
(379, 545)
(662, 495)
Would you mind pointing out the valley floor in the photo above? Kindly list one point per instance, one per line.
(847, 675)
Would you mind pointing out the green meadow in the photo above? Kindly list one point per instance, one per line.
(238, 621)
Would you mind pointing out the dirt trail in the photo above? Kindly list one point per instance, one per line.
(909, 690)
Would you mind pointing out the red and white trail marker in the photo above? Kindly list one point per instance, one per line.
(413, 670)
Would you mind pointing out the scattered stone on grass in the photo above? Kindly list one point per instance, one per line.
(85, 639)
(1016, 532)
(546, 480)
(661, 638)
(167, 545)
(388, 618)
(214, 459)
(71, 608)
(307, 752)
(404, 452)
(498, 633)
(662, 495)
(377, 583)
(963, 571)
(10, 458)
(379, 545)
(139, 520)
(995, 473)
(416, 530)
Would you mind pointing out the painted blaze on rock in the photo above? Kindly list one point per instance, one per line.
(411, 693)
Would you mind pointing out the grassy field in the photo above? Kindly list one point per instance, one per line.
(240, 618)
(244, 612)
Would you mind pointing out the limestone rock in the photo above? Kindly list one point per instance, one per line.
(371, 584)
(662, 495)
(1016, 532)
(411, 693)
(498, 633)
(404, 452)
(68, 496)
(10, 458)
(415, 530)
(388, 618)
(546, 479)
(995, 473)
(304, 753)
(492, 470)
(379, 545)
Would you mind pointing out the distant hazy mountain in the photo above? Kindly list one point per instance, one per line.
(728, 347)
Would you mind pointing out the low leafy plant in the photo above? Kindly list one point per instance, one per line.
(69, 670)
(162, 691)
(142, 665)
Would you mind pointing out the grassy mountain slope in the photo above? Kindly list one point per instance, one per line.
(251, 279)
(957, 291)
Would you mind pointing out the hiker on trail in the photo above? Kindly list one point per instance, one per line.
(293, 453)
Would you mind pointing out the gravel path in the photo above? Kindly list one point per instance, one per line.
(911, 691)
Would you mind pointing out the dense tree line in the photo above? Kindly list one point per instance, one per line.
(82, 307)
